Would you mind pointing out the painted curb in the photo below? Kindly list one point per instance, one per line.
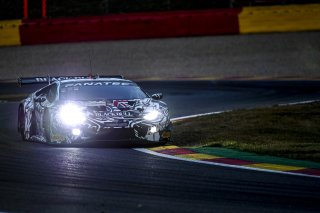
(186, 154)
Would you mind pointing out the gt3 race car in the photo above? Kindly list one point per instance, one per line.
(81, 109)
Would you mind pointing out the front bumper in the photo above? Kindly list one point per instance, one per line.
(138, 133)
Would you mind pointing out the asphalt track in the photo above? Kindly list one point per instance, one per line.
(271, 55)
(107, 178)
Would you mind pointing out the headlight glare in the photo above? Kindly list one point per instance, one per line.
(153, 115)
(153, 129)
(71, 114)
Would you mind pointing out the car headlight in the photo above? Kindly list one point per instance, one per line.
(71, 114)
(153, 115)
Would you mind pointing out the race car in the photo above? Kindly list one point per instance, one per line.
(71, 110)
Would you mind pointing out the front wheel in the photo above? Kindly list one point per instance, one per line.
(21, 123)
(25, 125)
(161, 143)
(47, 126)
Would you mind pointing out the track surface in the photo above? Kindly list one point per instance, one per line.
(39, 178)
(273, 55)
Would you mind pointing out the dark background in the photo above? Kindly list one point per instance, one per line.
(13, 9)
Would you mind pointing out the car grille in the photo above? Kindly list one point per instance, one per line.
(112, 134)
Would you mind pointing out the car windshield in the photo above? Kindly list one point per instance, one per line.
(101, 90)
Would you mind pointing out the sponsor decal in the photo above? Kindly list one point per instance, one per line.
(108, 114)
(46, 79)
(100, 83)
(108, 109)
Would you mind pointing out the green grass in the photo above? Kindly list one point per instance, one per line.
(285, 131)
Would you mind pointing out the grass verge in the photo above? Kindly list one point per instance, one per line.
(285, 131)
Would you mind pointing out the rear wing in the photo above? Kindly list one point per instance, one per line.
(50, 79)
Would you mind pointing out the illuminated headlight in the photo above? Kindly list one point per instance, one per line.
(153, 129)
(71, 114)
(76, 132)
(153, 115)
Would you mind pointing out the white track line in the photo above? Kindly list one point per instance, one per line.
(301, 102)
(222, 164)
(197, 115)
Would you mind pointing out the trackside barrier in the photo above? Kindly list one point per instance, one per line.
(9, 32)
(280, 18)
(162, 24)
(131, 26)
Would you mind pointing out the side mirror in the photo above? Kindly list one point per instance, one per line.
(40, 99)
(157, 96)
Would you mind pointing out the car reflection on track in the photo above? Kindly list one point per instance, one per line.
(71, 110)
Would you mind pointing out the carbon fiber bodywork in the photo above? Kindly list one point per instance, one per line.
(105, 119)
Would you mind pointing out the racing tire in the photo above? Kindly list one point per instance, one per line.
(21, 123)
(163, 142)
(47, 126)
(25, 135)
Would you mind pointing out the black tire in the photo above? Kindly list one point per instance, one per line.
(19, 119)
(47, 126)
(162, 143)
(21, 123)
